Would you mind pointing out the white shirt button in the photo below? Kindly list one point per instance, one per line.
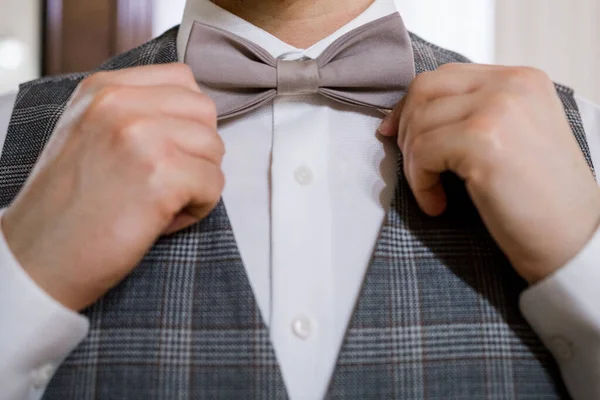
(302, 327)
(42, 376)
(562, 348)
(304, 176)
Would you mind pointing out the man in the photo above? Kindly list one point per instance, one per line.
(324, 272)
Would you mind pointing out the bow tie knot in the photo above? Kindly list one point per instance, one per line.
(371, 66)
(297, 77)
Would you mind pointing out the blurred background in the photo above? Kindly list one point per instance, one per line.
(44, 37)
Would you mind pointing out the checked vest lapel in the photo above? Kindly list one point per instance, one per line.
(437, 318)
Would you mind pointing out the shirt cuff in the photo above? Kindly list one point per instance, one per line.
(37, 332)
(564, 310)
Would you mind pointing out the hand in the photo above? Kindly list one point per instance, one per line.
(136, 154)
(504, 132)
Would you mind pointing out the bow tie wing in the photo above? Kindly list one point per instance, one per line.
(236, 73)
(371, 66)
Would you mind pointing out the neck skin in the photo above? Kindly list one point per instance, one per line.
(300, 23)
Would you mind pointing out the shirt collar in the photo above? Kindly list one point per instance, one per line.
(208, 13)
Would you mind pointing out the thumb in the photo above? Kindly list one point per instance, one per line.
(181, 221)
(390, 124)
(189, 216)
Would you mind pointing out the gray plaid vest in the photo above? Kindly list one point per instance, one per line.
(437, 318)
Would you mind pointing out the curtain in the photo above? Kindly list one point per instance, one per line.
(466, 26)
(562, 37)
(20, 44)
(167, 14)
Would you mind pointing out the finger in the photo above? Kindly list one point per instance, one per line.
(186, 137)
(196, 140)
(427, 157)
(204, 182)
(197, 185)
(448, 80)
(451, 80)
(173, 101)
(389, 125)
(175, 74)
(439, 112)
(182, 221)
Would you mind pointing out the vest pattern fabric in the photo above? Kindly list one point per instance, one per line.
(437, 318)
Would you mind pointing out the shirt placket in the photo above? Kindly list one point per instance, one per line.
(301, 241)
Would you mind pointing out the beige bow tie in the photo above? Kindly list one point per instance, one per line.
(371, 66)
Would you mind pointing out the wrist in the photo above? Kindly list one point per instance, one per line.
(40, 269)
(567, 246)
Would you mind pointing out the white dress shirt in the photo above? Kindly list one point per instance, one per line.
(306, 193)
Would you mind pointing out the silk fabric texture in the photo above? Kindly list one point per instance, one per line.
(371, 66)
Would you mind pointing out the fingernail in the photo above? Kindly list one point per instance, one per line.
(384, 127)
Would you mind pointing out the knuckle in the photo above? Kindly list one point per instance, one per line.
(491, 148)
(415, 121)
(86, 84)
(212, 140)
(219, 146)
(181, 69)
(107, 97)
(491, 145)
(220, 183)
(535, 74)
(103, 104)
(183, 73)
(168, 201)
(157, 170)
(93, 81)
(214, 190)
(166, 152)
(478, 174)
(450, 66)
(209, 107)
(420, 82)
(480, 125)
(526, 77)
(502, 102)
(417, 145)
(416, 148)
(214, 145)
(480, 168)
(131, 133)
